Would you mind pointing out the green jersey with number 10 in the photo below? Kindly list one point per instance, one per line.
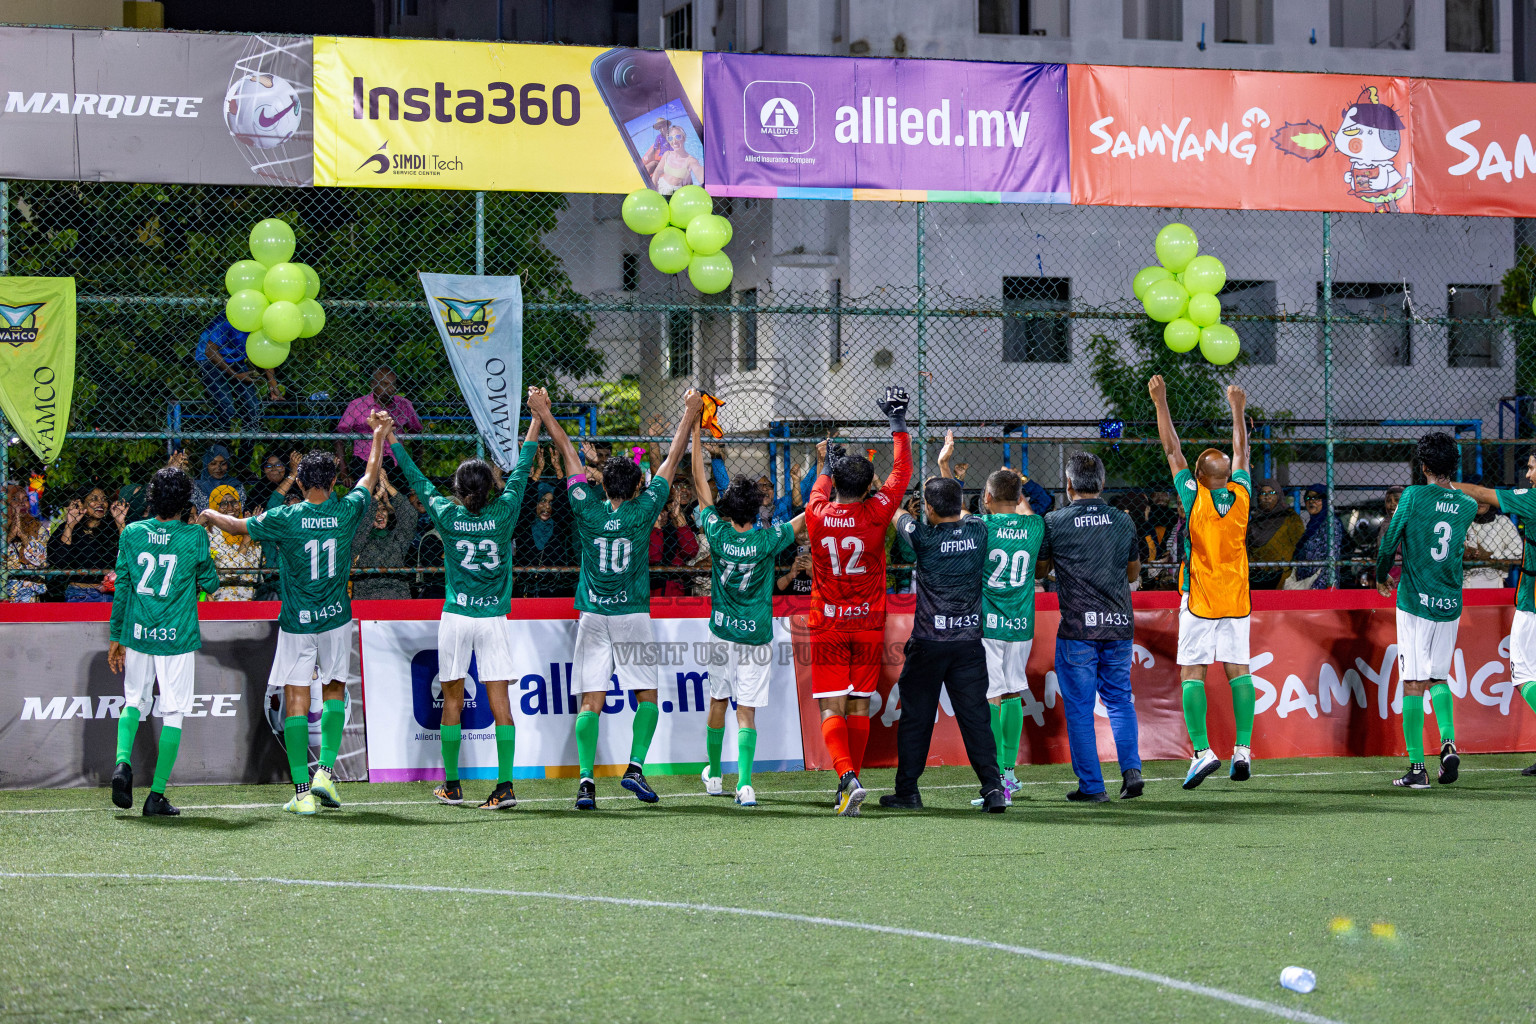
(477, 546)
(615, 548)
(1431, 525)
(314, 558)
(160, 569)
(741, 577)
(1008, 587)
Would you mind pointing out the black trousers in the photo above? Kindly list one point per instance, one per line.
(960, 666)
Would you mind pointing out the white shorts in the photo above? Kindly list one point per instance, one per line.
(609, 645)
(174, 672)
(304, 658)
(488, 640)
(744, 674)
(1005, 665)
(1204, 641)
(1522, 648)
(1424, 647)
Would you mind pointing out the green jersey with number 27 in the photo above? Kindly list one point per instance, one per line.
(160, 569)
(615, 548)
(314, 558)
(741, 577)
(1431, 525)
(1008, 586)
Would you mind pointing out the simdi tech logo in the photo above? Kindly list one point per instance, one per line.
(779, 117)
(383, 162)
(466, 318)
(18, 324)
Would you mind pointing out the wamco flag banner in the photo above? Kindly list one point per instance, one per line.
(405, 704)
(851, 128)
(37, 359)
(156, 107)
(480, 320)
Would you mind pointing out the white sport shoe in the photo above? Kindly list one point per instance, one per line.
(1242, 764)
(713, 785)
(746, 796)
(1201, 766)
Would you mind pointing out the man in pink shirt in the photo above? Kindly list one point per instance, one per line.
(355, 419)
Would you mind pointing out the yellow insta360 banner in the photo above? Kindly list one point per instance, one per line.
(508, 116)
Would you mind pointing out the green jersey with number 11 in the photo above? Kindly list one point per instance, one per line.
(314, 558)
(477, 546)
(1431, 525)
(615, 547)
(160, 568)
(741, 577)
(1008, 588)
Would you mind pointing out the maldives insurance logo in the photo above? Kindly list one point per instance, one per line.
(469, 319)
(779, 117)
(18, 324)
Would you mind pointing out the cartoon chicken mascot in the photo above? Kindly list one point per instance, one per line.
(1371, 136)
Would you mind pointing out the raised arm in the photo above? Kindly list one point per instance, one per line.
(1386, 549)
(701, 482)
(894, 405)
(693, 405)
(573, 466)
(1237, 401)
(1165, 431)
(229, 524)
(945, 454)
(381, 424)
(1486, 495)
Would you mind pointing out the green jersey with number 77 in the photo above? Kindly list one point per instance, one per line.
(1431, 525)
(741, 577)
(314, 557)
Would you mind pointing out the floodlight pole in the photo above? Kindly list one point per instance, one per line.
(922, 350)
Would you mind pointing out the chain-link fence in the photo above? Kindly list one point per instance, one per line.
(1013, 326)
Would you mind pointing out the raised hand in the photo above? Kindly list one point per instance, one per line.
(894, 405)
(1157, 389)
(1237, 398)
(538, 402)
(73, 514)
(120, 513)
(948, 451)
(693, 404)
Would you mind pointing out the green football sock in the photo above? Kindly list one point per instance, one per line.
(1527, 690)
(714, 743)
(1194, 713)
(170, 744)
(646, 716)
(746, 750)
(296, 740)
(1445, 715)
(997, 731)
(586, 741)
(453, 735)
(128, 727)
(1242, 709)
(333, 716)
(1013, 731)
(506, 747)
(1413, 727)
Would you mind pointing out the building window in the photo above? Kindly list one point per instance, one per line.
(679, 344)
(746, 331)
(1036, 339)
(1385, 338)
(1471, 26)
(1153, 19)
(835, 356)
(1023, 17)
(631, 271)
(1472, 344)
(1252, 298)
(677, 29)
(1245, 21)
(1371, 24)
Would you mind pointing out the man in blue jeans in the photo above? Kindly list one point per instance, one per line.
(1096, 552)
(220, 357)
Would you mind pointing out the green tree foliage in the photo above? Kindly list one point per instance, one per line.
(1519, 289)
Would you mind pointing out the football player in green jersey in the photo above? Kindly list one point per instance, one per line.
(477, 557)
(1520, 501)
(1431, 526)
(741, 600)
(614, 639)
(162, 563)
(315, 632)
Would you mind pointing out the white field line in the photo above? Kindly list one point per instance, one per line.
(1221, 995)
(675, 796)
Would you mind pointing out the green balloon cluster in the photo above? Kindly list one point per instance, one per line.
(685, 235)
(271, 298)
(1181, 293)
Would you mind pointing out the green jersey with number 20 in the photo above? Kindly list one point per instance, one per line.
(1008, 587)
(741, 577)
(615, 547)
(477, 546)
(1431, 525)
(314, 558)
(160, 569)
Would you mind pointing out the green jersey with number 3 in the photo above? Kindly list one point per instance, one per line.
(1521, 501)
(477, 546)
(160, 568)
(741, 576)
(1431, 525)
(615, 548)
(314, 558)
(1008, 586)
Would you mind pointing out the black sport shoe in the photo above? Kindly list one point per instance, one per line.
(1528, 771)
(586, 795)
(501, 799)
(449, 793)
(1416, 778)
(122, 784)
(1131, 784)
(1450, 764)
(634, 781)
(994, 801)
(897, 802)
(850, 795)
(157, 805)
(1078, 796)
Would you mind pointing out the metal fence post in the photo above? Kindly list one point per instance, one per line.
(922, 349)
(480, 269)
(1327, 312)
(5, 227)
(5, 428)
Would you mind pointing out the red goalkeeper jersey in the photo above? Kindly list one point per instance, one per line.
(848, 549)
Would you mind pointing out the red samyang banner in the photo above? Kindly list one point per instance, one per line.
(1472, 150)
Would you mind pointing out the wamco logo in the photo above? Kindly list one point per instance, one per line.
(18, 324)
(415, 164)
(466, 318)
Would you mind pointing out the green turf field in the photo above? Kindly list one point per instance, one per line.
(1219, 888)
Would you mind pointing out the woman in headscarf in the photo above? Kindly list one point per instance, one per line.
(542, 539)
(232, 550)
(218, 470)
(26, 545)
(1273, 530)
(383, 538)
(1314, 544)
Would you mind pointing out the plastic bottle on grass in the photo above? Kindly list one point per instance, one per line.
(1298, 979)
